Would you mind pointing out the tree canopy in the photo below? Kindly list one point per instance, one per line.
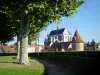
(38, 12)
(29, 17)
(6, 33)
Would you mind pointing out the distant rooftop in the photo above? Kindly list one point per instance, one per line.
(58, 31)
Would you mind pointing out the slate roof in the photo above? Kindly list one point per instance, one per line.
(59, 31)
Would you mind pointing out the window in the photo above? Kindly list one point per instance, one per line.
(65, 39)
(55, 37)
(60, 38)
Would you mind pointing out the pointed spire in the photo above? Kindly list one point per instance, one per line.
(77, 37)
(57, 27)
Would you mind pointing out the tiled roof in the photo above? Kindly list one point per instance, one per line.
(35, 45)
(1, 50)
(77, 38)
(8, 49)
(13, 50)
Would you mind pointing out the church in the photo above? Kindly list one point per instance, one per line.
(63, 40)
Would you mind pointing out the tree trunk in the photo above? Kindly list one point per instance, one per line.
(24, 42)
(18, 47)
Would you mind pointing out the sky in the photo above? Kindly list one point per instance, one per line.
(86, 20)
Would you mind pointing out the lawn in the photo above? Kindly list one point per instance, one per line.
(9, 66)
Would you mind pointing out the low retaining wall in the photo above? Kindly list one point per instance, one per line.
(82, 63)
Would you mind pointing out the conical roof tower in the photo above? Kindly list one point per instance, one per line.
(77, 38)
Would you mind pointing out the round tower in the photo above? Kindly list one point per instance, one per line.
(77, 42)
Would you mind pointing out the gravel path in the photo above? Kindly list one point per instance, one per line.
(53, 69)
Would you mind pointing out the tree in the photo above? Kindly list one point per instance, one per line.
(5, 30)
(34, 16)
(93, 43)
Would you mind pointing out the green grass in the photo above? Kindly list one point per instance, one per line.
(16, 71)
(8, 59)
(7, 67)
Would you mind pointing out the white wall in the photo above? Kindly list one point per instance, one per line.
(65, 32)
(53, 39)
(31, 49)
(65, 37)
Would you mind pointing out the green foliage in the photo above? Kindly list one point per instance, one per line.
(93, 43)
(39, 13)
(5, 30)
(31, 38)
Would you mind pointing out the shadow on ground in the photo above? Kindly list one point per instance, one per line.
(70, 66)
(52, 68)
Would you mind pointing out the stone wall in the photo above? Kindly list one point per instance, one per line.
(78, 46)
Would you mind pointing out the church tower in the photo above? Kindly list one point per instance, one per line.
(77, 42)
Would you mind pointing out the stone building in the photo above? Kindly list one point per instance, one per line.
(62, 39)
(77, 42)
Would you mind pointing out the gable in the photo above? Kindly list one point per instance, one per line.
(66, 32)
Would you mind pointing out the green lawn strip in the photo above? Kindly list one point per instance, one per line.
(9, 66)
(19, 71)
(8, 59)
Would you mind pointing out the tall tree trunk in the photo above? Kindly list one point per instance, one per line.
(24, 42)
(18, 46)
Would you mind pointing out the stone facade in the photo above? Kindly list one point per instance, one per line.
(77, 42)
(63, 40)
(78, 46)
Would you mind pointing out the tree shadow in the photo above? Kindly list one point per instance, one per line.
(45, 68)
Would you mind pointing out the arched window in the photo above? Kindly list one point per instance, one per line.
(55, 37)
(60, 38)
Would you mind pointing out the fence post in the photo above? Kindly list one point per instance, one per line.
(98, 56)
(86, 55)
(77, 53)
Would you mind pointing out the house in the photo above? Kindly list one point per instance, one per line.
(62, 39)
(91, 46)
(77, 42)
(34, 48)
(31, 48)
(98, 48)
(4, 49)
